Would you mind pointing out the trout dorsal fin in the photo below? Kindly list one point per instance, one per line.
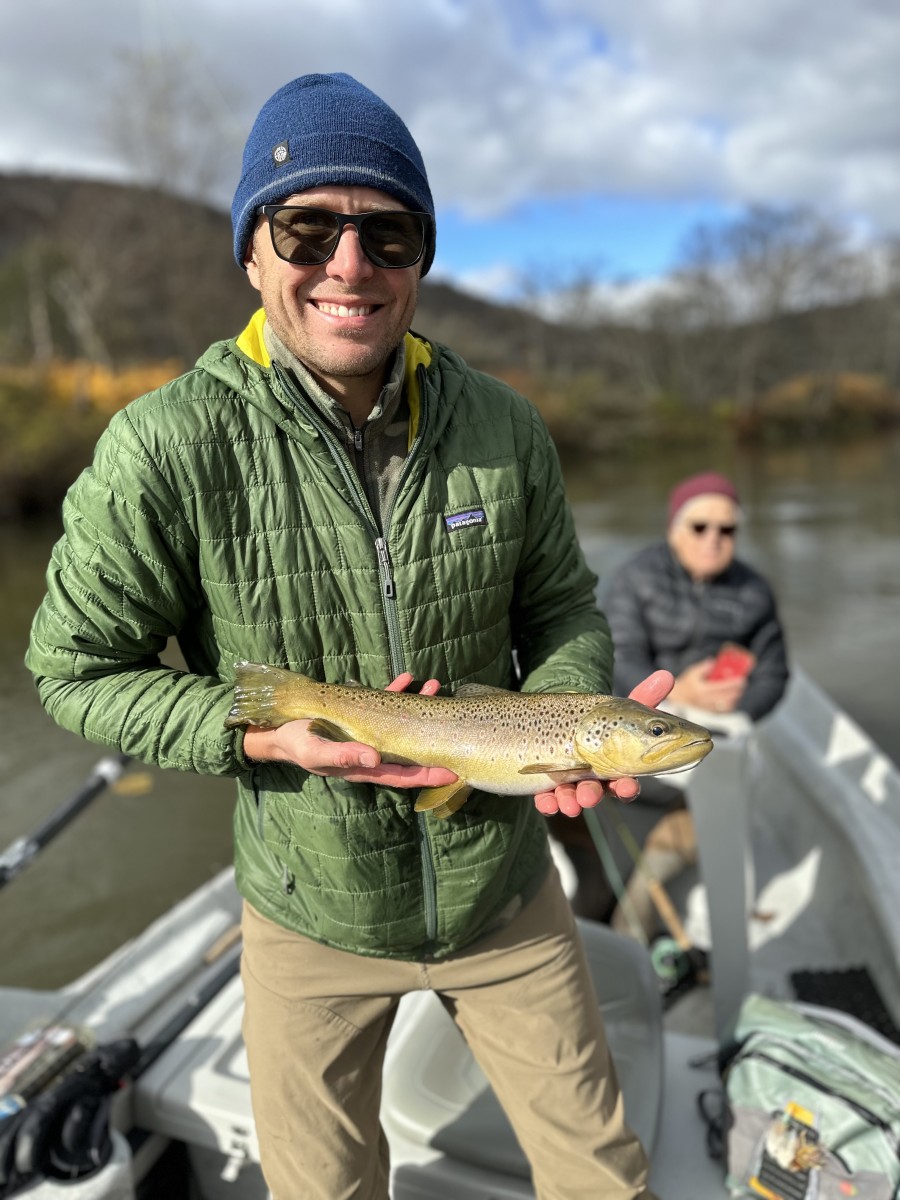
(444, 801)
(468, 690)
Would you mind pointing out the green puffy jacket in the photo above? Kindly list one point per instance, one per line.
(223, 511)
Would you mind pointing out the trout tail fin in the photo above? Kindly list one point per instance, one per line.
(256, 689)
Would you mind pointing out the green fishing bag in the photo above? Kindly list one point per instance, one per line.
(812, 1106)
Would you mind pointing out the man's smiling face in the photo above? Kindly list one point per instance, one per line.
(344, 318)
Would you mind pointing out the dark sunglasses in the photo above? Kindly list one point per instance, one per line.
(308, 237)
(700, 527)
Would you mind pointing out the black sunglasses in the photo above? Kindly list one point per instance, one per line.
(308, 237)
(700, 527)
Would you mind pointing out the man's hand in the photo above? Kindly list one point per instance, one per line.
(353, 761)
(571, 798)
(715, 695)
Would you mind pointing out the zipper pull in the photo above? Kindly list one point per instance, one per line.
(385, 563)
(357, 440)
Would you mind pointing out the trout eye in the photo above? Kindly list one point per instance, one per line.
(657, 729)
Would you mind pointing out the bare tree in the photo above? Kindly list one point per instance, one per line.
(39, 322)
(80, 294)
(890, 310)
(158, 120)
(770, 262)
(174, 131)
(562, 302)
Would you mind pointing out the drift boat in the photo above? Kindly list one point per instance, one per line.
(798, 824)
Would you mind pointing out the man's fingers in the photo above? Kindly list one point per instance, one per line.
(429, 688)
(401, 683)
(343, 756)
(392, 775)
(653, 689)
(545, 803)
(395, 775)
(625, 789)
(569, 799)
(362, 764)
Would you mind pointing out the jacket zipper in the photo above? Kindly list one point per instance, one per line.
(426, 857)
(388, 585)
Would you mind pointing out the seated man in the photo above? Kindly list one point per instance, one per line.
(675, 604)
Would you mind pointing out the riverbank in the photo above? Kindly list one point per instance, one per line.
(51, 418)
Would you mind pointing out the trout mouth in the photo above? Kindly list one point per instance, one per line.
(685, 754)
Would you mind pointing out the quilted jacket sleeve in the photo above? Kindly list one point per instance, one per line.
(623, 603)
(122, 580)
(561, 637)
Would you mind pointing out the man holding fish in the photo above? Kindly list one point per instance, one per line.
(334, 497)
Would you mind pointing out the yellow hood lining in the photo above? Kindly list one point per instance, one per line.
(252, 343)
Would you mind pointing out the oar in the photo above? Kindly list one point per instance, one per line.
(677, 960)
(20, 853)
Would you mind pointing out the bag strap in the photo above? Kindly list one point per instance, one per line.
(713, 1112)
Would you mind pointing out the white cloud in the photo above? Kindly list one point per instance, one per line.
(802, 97)
(781, 101)
(499, 282)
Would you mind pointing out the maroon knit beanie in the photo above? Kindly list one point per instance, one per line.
(709, 483)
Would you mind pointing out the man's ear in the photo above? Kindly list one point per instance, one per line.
(250, 265)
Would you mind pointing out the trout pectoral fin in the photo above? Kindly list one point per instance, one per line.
(553, 768)
(444, 801)
(327, 729)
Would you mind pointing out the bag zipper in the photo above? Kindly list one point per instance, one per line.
(826, 1089)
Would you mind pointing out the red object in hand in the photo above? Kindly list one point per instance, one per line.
(732, 662)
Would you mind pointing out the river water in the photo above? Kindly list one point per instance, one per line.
(823, 523)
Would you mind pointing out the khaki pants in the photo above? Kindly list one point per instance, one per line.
(317, 1021)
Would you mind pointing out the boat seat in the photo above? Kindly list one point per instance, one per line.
(444, 1125)
(436, 1096)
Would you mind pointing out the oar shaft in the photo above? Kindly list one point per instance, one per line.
(20, 853)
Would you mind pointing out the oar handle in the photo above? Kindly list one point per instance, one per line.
(667, 911)
(20, 853)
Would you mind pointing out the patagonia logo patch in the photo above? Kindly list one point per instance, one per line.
(281, 154)
(464, 520)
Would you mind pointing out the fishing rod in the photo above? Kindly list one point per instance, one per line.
(65, 1132)
(23, 851)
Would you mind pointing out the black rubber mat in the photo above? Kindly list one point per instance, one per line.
(851, 990)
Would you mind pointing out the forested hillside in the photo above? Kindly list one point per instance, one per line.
(772, 327)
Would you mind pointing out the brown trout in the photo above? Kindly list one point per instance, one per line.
(508, 743)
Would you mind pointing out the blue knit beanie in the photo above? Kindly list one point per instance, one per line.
(323, 130)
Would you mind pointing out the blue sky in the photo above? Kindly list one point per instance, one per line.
(617, 239)
(560, 136)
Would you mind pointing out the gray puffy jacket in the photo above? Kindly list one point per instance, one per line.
(661, 618)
